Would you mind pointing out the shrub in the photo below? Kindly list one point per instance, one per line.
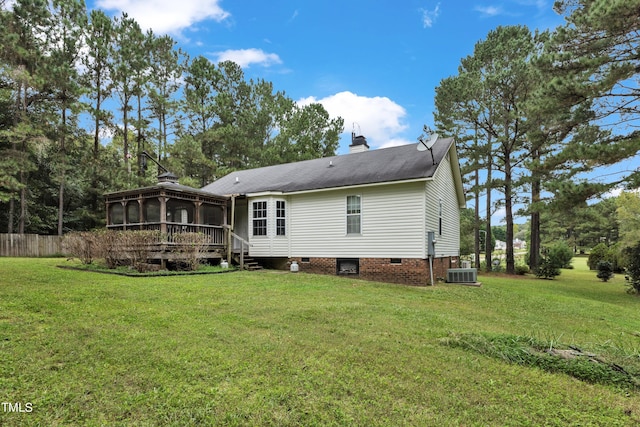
(615, 257)
(126, 247)
(110, 248)
(605, 270)
(82, 245)
(190, 247)
(522, 269)
(546, 269)
(138, 245)
(560, 255)
(633, 268)
(598, 253)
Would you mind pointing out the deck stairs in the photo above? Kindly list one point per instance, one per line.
(250, 264)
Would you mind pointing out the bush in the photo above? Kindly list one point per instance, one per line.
(546, 269)
(560, 255)
(605, 270)
(190, 247)
(126, 247)
(82, 245)
(598, 253)
(633, 268)
(522, 269)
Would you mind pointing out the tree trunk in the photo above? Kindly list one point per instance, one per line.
(476, 220)
(12, 208)
(476, 193)
(487, 238)
(508, 204)
(96, 149)
(534, 245)
(63, 165)
(23, 204)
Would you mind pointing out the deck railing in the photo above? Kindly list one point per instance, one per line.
(215, 233)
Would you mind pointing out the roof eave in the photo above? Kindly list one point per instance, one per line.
(347, 187)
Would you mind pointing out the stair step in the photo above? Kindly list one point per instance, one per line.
(249, 263)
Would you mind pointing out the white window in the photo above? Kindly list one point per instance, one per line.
(281, 218)
(354, 215)
(260, 218)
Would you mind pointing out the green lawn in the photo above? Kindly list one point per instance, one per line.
(273, 348)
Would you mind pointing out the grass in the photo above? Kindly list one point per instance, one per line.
(274, 348)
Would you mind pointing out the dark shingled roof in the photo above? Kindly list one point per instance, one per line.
(375, 166)
(170, 186)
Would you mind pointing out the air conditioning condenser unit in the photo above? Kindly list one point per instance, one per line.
(462, 275)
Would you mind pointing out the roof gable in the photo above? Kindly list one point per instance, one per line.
(370, 167)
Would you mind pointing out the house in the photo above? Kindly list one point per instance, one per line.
(517, 245)
(367, 213)
(500, 245)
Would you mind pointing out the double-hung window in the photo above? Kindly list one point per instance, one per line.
(354, 215)
(281, 218)
(260, 218)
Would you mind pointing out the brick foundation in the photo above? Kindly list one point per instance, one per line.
(408, 271)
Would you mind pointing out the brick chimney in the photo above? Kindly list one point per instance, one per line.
(358, 144)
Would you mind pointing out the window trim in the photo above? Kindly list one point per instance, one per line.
(259, 222)
(357, 214)
(281, 220)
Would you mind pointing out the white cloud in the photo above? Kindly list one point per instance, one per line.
(294, 16)
(429, 16)
(246, 57)
(167, 16)
(489, 11)
(379, 119)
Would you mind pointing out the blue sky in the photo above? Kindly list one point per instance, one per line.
(376, 63)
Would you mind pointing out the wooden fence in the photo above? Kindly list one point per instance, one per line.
(29, 245)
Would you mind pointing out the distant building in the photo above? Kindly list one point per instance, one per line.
(517, 245)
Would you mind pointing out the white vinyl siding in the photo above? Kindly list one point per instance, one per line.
(392, 223)
(442, 211)
(270, 244)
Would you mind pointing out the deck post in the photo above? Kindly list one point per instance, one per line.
(230, 230)
(196, 213)
(242, 256)
(163, 214)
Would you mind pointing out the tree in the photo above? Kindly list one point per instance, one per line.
(165, 73)
(467, 227)
(127, 61)
(605, 271)
(460, 107)
(628, 211)
(490, 92)
(632, 254)
(67, 23)
(304, 133)
(23, 44)
(199, 95)
(595, 61)
(97, 80)
(198, 105)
